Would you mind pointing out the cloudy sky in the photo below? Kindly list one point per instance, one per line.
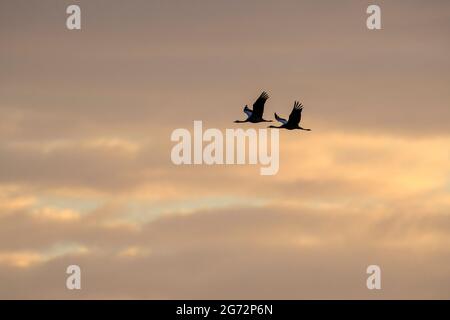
(85, 170)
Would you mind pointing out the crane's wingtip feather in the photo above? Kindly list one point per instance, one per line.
(264, 95)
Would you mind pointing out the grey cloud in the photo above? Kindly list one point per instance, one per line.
(241, 254)
(127, 78)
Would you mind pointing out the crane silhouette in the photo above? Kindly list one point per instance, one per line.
(256, 115)
(294, 119)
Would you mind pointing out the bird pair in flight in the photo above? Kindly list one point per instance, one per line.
(256, 115)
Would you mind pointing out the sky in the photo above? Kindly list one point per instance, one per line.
(85, 170)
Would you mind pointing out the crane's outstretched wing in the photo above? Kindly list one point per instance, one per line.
(258, 106)
(248, 111)
(296, 114)
(279, 119)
